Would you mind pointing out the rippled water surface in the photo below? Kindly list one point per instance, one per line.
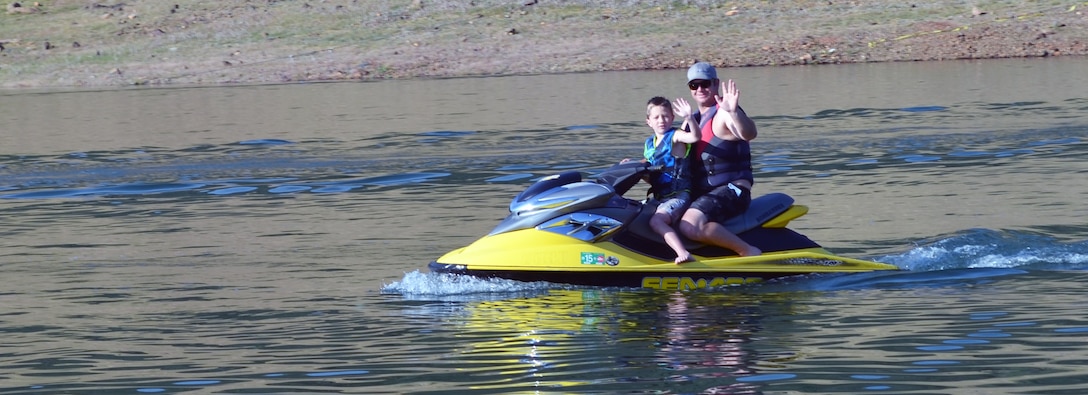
(274, 239)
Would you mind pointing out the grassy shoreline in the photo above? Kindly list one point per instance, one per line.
(68, 43)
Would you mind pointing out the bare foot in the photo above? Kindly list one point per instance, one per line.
(751, 251)
(686, 257)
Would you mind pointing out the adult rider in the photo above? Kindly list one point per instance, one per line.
(722, 164)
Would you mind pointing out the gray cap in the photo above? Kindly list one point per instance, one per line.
(702, 71)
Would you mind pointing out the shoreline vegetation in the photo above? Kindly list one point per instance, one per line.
(114, 43)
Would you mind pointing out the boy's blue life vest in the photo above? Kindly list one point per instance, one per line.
(675, 177)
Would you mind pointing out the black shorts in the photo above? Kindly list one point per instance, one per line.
(724, 202)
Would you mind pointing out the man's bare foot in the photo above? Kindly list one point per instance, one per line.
(686, 257)
(751, 251)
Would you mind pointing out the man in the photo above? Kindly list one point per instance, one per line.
(722, 161)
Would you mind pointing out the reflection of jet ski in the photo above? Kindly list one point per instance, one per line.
(566, 230)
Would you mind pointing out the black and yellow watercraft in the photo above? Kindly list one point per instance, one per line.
(565, 230)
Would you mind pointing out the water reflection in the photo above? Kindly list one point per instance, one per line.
(698, 348)
(591, 340)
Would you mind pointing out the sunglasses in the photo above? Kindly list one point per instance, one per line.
(696, 84)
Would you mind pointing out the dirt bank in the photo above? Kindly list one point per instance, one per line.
(76, 43)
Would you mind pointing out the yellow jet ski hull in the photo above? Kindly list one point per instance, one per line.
(533, 255)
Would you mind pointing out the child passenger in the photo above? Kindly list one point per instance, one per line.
(669, 147)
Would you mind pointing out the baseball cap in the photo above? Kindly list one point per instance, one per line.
(702, 71)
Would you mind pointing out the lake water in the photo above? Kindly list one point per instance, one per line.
(274, 239)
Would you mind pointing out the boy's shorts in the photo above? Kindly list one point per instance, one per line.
(675, 206)
(723, 202)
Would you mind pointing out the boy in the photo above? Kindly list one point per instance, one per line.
(669, 147)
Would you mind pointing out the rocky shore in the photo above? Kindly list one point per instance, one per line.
(158, 42)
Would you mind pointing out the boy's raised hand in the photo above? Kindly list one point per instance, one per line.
(681, 108)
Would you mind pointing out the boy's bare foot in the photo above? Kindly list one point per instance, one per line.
(686, 257)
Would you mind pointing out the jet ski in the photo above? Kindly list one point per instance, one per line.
(563, 229)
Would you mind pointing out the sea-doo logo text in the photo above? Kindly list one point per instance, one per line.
(813, 262)
(688, 283)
